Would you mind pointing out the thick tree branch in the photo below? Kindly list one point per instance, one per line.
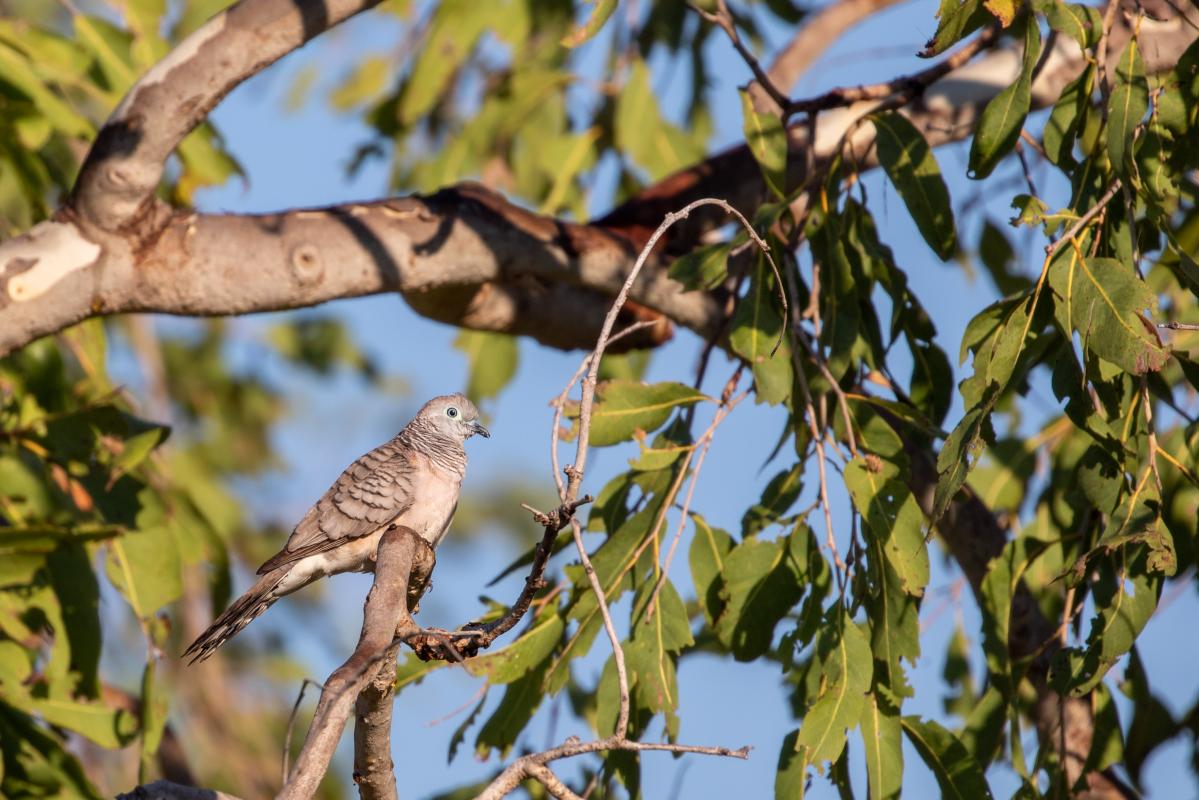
(464, 256)
(374, 771)
(403, 564)
(165, 790)
(116, 185)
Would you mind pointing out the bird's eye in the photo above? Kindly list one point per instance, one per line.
(451, 412)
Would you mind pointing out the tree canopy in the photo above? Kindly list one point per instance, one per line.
(1049, 456)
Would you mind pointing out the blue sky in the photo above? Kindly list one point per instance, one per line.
(297, 159)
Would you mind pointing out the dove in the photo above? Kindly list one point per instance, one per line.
(412, 480)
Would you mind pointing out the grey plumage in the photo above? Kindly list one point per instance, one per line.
(413, 480)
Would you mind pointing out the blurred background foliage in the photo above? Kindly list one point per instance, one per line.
(110, 491)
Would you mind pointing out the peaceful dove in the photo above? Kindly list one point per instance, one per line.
(412, 480)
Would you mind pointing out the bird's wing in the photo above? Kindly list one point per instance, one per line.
(372, 491)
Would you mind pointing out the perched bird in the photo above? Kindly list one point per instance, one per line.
(412, 480)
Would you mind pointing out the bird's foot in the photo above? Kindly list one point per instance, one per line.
(437, 644)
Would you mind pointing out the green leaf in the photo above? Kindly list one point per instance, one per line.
(144, 565)
(1103, 300)
(595, 22)
(1003, 117)
(767, 140)
(839, 706)
(957, 20)
(1125, 595)
(881, 734)
(894, 626)
(36, 763)
(1107, 741)
(1002, 480)
(1082, 23)
(656, 642)
(653, 144)
(520, 701)
(703, 268)
(624, 408)
(983, 732)
(709, 549)
(956, 771)
(493, 358)
(761, 584)
(959, 452)
(779, 495)
(756, 327)
(893, 518)
(909, 162)
(17, 71)
(1139, 519)
(998, 589)
(78, 593)
(1127, 106)
(534, 646)
(1066, 119)
(453, 32)
(153, 716)
(365, 83)
(790, 781)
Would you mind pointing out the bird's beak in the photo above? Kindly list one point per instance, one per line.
(477, 427)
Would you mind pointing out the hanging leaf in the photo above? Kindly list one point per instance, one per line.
(755, 329)
(909, 163)
(956, 771)
(1103, 300)
(894, 519)
(1002, 119)
(1127, 106)
(767, 140)
(761, 584)
(709, 550)
(779, 495)
(845, 654)
(958, 19)
(882, 736)
(624, 408)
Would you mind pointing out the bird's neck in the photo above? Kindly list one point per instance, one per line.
(444, 451)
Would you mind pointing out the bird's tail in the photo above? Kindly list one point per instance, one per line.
(245, 609)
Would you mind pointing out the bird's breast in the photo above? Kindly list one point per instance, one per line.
(433, 507)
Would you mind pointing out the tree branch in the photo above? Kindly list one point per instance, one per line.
(464, 256)
(534, 764)
(403, 564)
(165, 790)
(116, 185)
(820, 31)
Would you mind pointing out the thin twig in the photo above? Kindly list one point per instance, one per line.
(1073, 231)
(903, 89)
(705, 441)
(723, 19)
(530, 765)
(291, 722)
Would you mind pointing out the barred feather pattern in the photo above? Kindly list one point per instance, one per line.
(241, 613)
(445, 452)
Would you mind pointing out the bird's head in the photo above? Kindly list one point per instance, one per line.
(453, 416)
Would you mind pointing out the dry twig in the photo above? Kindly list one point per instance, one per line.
(534, 765)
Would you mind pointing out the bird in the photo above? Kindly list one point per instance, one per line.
(414, 479)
